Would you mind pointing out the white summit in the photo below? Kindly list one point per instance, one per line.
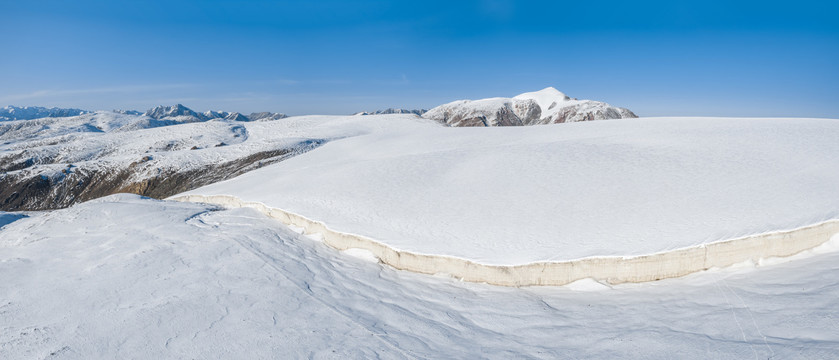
(546, 106)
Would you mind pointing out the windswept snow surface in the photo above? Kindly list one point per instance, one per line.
(517, 195)
(127, 277)
(8, 218)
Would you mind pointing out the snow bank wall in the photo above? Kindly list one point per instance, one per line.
(614, 270)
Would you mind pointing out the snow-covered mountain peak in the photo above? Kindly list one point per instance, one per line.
(546, 106)
(547, 98)
(236, 117)
(548, 93)
(159, 112)
(212, 114)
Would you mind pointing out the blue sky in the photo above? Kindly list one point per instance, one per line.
(658, 58)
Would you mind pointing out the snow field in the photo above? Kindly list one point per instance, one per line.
(125, 276)
(661, 196)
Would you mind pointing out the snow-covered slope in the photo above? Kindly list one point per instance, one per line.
(124, 277)
(520, 195)
(55, 162)
(547, 106)
(59, 128)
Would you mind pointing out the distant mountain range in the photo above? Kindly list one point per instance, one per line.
(392, 111)
(36, 112)
(547, 106)
(184, 114)
(174, 114)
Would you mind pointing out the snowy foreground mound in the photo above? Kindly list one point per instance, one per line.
(125, 277)
(519, 195)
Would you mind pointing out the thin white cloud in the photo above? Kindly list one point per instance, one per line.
(330, 82)
(287, 82)
(47, 93)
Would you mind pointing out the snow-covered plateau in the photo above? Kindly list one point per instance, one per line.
(557, 193)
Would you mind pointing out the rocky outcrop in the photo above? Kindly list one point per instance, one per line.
(547, 106)
(587, 112)
(486, 112)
